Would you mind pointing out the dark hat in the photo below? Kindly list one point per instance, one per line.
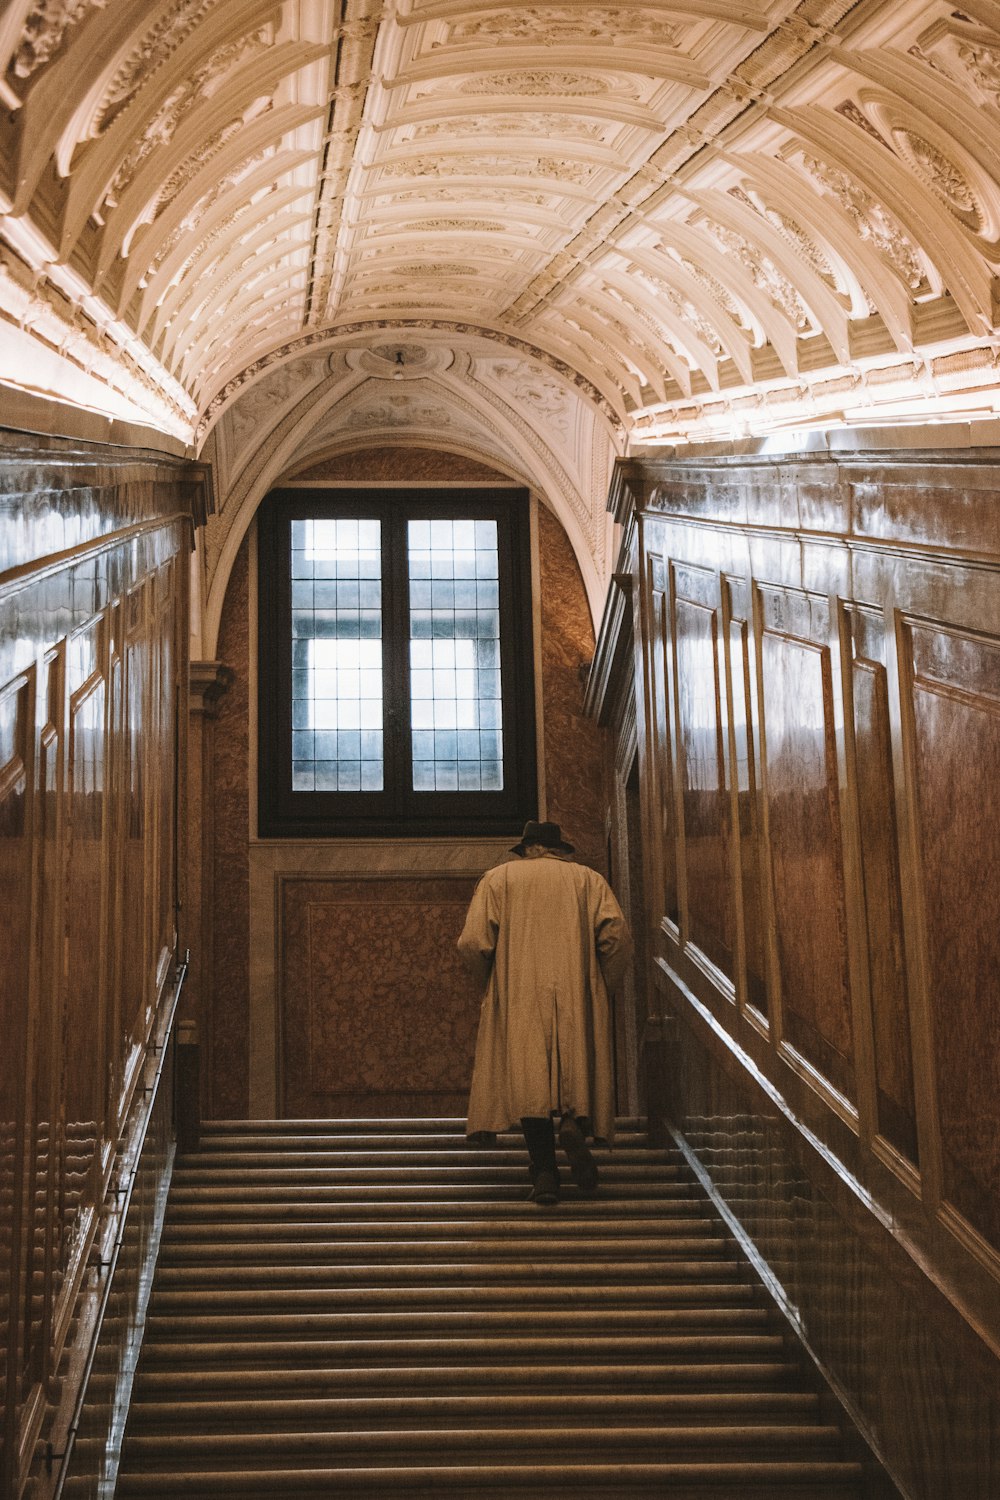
(546, 834)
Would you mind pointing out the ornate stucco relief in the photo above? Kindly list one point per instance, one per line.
(201, 85)
(872, 220)
(45, 30)
(548, 24)
(494, 167)
(164, 37)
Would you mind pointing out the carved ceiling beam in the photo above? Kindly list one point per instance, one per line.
(582, 57)
(222, 131)
(922, 94)
(460, 107)
(226, 215)
(115, 175)
(582, 322)
(89, 149)
(56, 64)
(782, 187)
(650, 358)
(687, 343)
(284, 282)
(218, 260)
(700, 251)
(822, 304)
(751, 18)
(731, 335)
(350, 83)
(227, 292)
(967, 275)
(262, 136)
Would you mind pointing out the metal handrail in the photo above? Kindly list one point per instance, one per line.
(111, 1265)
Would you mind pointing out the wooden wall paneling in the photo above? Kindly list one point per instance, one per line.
(92, 524)
(84, 945)
(853, 866)
(705, 834)
(647, 852)
(668, 865)
(137, 862)
(46, 948)
(890, 1078)
(802, 796)
(867, 627)
(899, 663)
(16, 854)
(119, 916)
(748, 846)
(166, 822)
(956, 724)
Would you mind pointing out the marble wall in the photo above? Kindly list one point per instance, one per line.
(94, 543)
(377, 1013)
(319, 1009)
(817, 679)
(226, 1023)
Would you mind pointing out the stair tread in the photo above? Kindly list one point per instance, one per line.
(584, 1404)
(373, 1307)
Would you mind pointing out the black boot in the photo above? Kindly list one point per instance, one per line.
(540, 1139)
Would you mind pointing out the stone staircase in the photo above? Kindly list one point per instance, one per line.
(370, 1308)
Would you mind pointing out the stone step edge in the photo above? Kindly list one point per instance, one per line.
(341, 1481)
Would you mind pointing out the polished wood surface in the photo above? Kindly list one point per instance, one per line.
(93, 634)
(817, 686)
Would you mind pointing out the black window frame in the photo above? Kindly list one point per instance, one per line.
(397, 811)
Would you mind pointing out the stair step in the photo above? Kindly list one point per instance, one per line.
(407, 1378)
(402, 1124)
(206, 1209)
(315, 1325)
(205, 1174)
(757, 1481)
(440, 1158)
(306, 1300)
(372, 1307)
(489, 1444)
(217, 1239)
(364, 1139)
(582, 1273)
(220, 1254)
(507, 1194)
(333, 1353)
(329, 1413)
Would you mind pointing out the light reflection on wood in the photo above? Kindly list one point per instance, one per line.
(87, 834)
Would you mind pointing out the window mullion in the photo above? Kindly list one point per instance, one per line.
(397, 666)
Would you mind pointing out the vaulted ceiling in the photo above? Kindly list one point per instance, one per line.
(645, 223)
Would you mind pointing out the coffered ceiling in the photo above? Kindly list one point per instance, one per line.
(702, 218)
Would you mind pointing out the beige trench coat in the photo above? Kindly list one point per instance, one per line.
(547, 940)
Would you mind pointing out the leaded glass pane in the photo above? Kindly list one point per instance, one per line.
(455, 710)
(337, 656)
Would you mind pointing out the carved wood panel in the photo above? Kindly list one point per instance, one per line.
(657, 686)
(747, 810)
(956, 716)
(802, 800)
(702, 764)
(841, 688)
(91, 640)
(877, 822)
